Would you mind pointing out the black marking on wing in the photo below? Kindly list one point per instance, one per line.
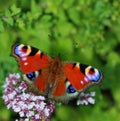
(41, 54)
(92, 69)
(39, 71)
(25, 47)
(83, 67)
(74, 64)
(33, 51)
(66, 80)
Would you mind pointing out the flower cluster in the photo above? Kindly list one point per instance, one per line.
(85, 99)
(28, 105)
(31, 106)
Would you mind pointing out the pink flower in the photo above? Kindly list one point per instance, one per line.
(28, 105)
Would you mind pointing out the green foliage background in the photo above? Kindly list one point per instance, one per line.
(87, 31)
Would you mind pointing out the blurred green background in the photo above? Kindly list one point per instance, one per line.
(87, 31)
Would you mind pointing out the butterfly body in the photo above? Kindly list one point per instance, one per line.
(51, 77)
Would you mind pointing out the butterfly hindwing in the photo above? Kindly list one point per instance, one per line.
(36, 82)
(29, 58)
(63, 91)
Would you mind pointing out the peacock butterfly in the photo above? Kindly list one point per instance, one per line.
(61, 81)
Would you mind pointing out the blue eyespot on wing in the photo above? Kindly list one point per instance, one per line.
(93, 74)
(16, 50)
(31, 76)
(71, 89)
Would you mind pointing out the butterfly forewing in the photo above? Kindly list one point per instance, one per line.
(30, 59)
(32, 62)
(81, 75)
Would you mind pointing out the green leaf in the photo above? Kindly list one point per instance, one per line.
(7, 13)
(9, 20)
(21, 24)
(15, 10)
(1, 26)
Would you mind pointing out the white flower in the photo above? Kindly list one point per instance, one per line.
(31, 105)
(91, 100)
(85, 99)
(27, 119)
(16, 109)
(46, 111)
(28, 105)
(21, 113)
(37, 116)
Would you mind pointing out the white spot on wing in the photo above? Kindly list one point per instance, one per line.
(36, 73)
(24, 58)
(77, 65)
(39, 52)
(25, 63)
(22, 54)
(86, 79)
(28, 50)
(82, 82)
(67, 83)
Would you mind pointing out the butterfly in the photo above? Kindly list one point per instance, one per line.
(52, 78)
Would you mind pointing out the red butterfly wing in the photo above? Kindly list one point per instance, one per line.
(29, 58)
(59, 91)
(60, 88)
(36, 81)
(80, 76)
(32, 62)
